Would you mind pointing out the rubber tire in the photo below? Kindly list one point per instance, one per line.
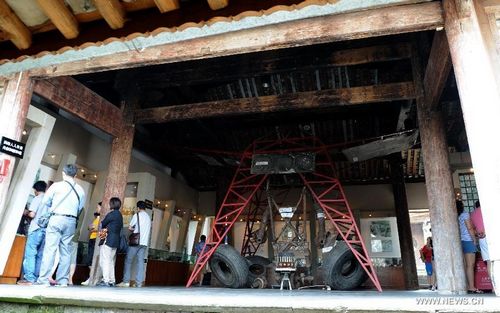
(335, 273)
(256, 267)
(229, 267)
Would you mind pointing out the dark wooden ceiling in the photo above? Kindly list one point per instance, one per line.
(206, 148)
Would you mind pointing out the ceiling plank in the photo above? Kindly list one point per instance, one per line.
(275, 103)
(17, 32)
(437, 71)
(211, 71)
(491, 6)
(112, 11)
(218, 4)
(73, 97)
(381, 53)
(167, 5)
(61, 17)
(355, 25)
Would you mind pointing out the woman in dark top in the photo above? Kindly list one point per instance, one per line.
(111, 227)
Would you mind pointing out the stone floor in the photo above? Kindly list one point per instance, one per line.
(20, 299)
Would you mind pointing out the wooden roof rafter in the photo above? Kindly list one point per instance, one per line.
(61, 16)
(218, 4)
(167, 5)
(112, 11)
(17, 32)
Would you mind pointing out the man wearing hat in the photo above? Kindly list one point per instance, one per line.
(65, 201)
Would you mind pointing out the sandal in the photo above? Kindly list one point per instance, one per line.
(476, 291)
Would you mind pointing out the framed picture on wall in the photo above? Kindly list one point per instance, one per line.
(381, 237)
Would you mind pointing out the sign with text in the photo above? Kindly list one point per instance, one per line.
(149, 204)
(12, 147)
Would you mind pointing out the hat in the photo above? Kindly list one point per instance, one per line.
(70, 170)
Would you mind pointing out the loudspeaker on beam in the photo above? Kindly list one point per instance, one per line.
(283, 163)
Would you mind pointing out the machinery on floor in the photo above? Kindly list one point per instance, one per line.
(267, 166)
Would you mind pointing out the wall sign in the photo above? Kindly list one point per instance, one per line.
(12, 147)
(149, 204)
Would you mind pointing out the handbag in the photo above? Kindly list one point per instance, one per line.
(43, 221)
(135, 238)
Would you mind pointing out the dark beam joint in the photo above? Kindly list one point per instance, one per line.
(73, 97)
(437, 71)
(276, 103)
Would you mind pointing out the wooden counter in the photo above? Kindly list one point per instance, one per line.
(12, 270)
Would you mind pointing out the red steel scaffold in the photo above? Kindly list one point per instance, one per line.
(322, 184)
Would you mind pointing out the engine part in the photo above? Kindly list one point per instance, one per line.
(256, 267)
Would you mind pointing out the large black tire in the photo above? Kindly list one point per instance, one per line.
(229, 267)
(256, 267)
(341, 268)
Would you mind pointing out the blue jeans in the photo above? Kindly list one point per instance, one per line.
(59, 234)
(135, 252)
(33, 254)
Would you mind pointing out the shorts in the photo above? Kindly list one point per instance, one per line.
(483, 246)
(428, 268)
(468, 247)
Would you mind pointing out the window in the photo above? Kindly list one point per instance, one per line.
(468, 190)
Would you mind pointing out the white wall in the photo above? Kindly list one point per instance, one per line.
(370, 197)
(93, 152)
(380, 197)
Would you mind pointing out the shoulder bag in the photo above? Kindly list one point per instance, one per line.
(43, 221)
(135, 238)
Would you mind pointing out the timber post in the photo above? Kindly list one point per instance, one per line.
(472, 39)
(450, 272)
(119, 162)
(403, 222)
(15, 98)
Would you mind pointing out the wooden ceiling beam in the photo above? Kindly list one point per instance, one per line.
(167, 5)
(491, 6)
(324, 29)
(437, 71)
(17, 32)
(275, 103)
(218, 4)
(61, 16)
(73, 97)
(112, 11)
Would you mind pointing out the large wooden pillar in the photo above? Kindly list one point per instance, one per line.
(403, 222)
(118, 169)
(439, 184)
(116, 182)
(477, 70)
(15, 97)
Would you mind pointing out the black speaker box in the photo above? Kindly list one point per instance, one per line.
(283, 163)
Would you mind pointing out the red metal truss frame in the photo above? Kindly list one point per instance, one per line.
(250, 245)
(257, 208)
(241, 191)
(323, 185)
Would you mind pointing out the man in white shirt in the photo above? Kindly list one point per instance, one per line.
(36, 237)
(140, 223)
(65, 201)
